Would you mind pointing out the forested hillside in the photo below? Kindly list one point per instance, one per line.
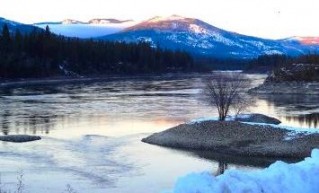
(283, 68)
(43, 54)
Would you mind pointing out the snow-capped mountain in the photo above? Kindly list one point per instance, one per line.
(14, 26)
(71, 21)
(200, 38)
(176, 32)
(92, 28)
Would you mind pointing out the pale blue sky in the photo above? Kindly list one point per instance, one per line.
(263, 18)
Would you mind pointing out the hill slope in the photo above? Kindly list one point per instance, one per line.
(14, 26)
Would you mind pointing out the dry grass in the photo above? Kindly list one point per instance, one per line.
(20, 186)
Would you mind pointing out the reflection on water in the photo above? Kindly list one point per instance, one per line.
(307, 120)
(292, 110)
(31, 125)
(41, 109)
(126, 103)
(222, 167)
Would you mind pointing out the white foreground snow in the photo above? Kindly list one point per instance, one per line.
(277, 178)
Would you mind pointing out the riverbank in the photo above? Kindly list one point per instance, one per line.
(238, 139)
(304, 88)
(14, 83)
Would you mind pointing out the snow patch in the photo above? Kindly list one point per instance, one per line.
(147, 40)
(197, 29)
(202, 119)
(229, 118)
(278, 177)
(272, 52)
(294, 132)
(67, 72)
(297, 130)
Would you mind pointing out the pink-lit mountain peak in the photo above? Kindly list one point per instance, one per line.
(308, 40)
(169, 18)
(305, 40)
(174, 23)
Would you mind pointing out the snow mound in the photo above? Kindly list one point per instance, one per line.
(277, 178)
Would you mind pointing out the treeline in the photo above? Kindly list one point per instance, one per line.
(268, 63)
(210, 63)
(43, 54)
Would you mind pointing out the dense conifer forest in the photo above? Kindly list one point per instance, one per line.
(268, 63)
(42, 54)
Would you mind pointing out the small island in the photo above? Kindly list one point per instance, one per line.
(238, 139)
(19, 138)
(245, 135)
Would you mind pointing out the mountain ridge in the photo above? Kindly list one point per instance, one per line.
(202, 39)
(100, 21)
(89, 29)
(177, 33)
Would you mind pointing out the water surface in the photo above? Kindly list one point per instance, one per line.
(92, 131)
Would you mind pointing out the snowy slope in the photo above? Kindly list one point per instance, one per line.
(13, 26)
(200, 38)
(90, 29)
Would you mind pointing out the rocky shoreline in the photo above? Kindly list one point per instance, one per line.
(19, 138)
(298, 78)
(237, 139)
(304, 88)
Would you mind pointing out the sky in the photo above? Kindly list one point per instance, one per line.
(273, 19)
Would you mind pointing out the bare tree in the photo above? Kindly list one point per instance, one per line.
(225, 92)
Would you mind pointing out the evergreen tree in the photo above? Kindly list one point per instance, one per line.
(47, 32)
(5, 38)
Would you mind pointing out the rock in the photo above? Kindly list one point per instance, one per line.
(19, 138)
(257, 118)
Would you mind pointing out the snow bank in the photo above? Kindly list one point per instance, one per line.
(277, 178)
(254, 117)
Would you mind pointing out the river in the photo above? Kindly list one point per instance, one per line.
(91, 132)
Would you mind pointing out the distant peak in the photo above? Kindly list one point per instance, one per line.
(309, 40)
(167, 18)
(305, 40)
(173, 23)
(71, 21)
(108, 21)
